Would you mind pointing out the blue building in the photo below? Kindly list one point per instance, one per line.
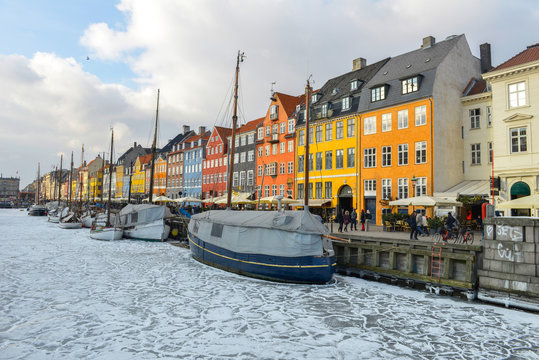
(194, 154)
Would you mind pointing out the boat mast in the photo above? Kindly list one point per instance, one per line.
(233, 139)
(150, 198)
(306, 163)
(80, 177)
(70, 181)
(36, 200)
(110, 177)
(103, 177)
(60, 181)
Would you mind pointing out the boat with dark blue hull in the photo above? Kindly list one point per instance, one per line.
(285, 246)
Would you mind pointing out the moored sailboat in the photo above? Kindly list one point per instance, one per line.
(37, 209)
(70, 217)
(286, 246)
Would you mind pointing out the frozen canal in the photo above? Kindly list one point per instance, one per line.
(65, 296)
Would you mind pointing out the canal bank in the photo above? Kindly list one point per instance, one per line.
(500, 269)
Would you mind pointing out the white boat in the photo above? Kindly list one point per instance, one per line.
(145, 222)
(69, 220)
(37, 209)
(54, 218)
(87, 220)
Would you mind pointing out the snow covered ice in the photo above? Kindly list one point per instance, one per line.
(66, 296)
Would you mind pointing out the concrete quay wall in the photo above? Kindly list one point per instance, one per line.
(508, 269)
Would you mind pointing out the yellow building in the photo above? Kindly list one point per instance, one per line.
(138, 181)
(119, 181)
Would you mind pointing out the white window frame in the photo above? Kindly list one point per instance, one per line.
(386, 189)
(369, 125)
(386, 156)
(517, 95)
(522, 139)
(369, 157)
(475, 118)
(476, 153)
(403, 188)
(421, 115)
(421, 152)
(403, 155)
(386, 122)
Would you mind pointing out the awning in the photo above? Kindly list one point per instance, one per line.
(467, 187)
(316, 202)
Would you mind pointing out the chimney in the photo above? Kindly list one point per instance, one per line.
(358, 63)
(428, 41)
(201, 130)
(135, 145)
(486, 63)
(186, 129)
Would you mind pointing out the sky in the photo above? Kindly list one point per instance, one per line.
(72, 70)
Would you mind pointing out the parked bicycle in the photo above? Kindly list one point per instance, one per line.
(446, 235)
(465, 236)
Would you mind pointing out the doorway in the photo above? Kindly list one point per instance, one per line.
(345, 198)
(518, 190)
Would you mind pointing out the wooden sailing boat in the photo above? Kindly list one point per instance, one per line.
(102, 229)
(54, 217)
(71, 216)
(147, 221)
(287, 246)
(37, 209)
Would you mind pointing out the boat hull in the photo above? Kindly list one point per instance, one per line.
(304, 269)
(154, 231)
(37, 211)
(54, 219)
(106, 233)
(70, 225)
(87, 221)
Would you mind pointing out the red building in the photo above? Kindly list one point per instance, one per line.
(214, 168)
(275, 145)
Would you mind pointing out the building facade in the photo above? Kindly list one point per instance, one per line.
(243, 178)
(215, 165)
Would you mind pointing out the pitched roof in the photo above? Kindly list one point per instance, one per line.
(144, 159)
(289, 102)
(475, 86)
(250, 126)
(530, 54)
(223, 132)
(177, 139)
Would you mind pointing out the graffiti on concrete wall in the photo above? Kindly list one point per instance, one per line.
(507, 233)
(510, 252)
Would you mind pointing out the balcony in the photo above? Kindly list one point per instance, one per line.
(274, 138)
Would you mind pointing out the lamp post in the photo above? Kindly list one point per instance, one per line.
(413, 185)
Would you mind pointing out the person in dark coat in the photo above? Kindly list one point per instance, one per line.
(346, 220)
(413, 226)
(363, 217)
(339, 219)
(353, 216)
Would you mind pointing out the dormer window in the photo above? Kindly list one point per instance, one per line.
(335, 91)
(410, 85)
(314, 98)
(298, 107)
(274, 112)
(346, 103)
(325, 110)
(354, 84)
(378, 93)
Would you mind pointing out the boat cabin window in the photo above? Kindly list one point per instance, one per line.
(217, 230)
(134, 217)
(195, 227)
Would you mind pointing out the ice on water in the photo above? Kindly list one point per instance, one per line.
(65, 296)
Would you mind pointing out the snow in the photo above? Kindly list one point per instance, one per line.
(65, 296)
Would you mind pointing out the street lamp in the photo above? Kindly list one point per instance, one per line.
(413, 184)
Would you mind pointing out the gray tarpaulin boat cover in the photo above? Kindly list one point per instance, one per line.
(132, 215)
(289, 233)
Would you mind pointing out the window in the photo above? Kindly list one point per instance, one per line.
(275, 129)
(369, 157)
(329, 131)
(273, 189)
(301, 163)
(328, 191)
(235, 179)
(260, 151)
(421, 186)
(242, 178)
(281, 168)
(369, 125)
(476, 154)
(402, 119)
(268, 130)
(386, 155)
(474, 118)
(489, 116)
(310, 162)
(420, 115)
(281, 189)
(369, 186)
(378, 93)
(236, 158)
(250, 155)
(311, 135)
(267, 150)
(301, 139)
(242, 156)
(282, 127)
(517, 94)
(386, 122)
(339, 130)
(291, 126)
(310, 190)
(243, 140)
(353, 85)
(409, 85)
(250, 178)
(282, 147)
(386, 189)
(290, 145)
(351, 157)
(490, 152)
(319, 160)
(518, 140)
(339, 159)
(421, 152)
(237, 141)
(318, 190)
(290, 167)
(260, 170)
(301, 191)
(314, 98)
(329, 160)
(274, 114)
(403, 188)
(346, 103)
(274, 149)
(324, 110)
(319, 133)
(351, 127)
(266, 190)
(251, 138)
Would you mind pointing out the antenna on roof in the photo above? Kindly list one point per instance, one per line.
(272, 97)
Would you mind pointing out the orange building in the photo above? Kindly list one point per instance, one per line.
(275, 147)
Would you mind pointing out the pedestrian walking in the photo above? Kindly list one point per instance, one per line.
(419, 223)
(340, 220)
(413, 226)
(346, 220)
(362, 218)
(368, 218)
(353, 215)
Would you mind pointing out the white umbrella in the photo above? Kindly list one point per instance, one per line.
(187, 199)
(275, 200)
(526, 202)
(241, 198)
(162, 198)
(425, 200)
